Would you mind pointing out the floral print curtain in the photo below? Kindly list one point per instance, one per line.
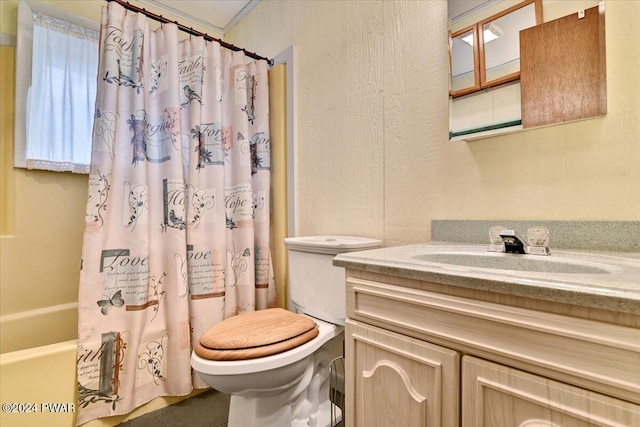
(177, 223)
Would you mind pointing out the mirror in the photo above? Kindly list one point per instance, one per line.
(486, 99)
(487, 53)
(464, 66)
(500, 42)
(503, 95)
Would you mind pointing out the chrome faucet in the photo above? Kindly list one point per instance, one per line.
(509, 241)
(513, 242)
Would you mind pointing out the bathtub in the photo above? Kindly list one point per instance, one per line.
(38, 371)
(37, 367)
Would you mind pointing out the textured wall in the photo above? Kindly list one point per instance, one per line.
(415, 115)
(372, 119)
(370, 93)
(372, 152)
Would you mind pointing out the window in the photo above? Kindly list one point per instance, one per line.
(56, 69)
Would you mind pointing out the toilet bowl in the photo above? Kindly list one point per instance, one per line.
(291, 386)
(284, 389)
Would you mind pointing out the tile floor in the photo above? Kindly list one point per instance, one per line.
(208, 409)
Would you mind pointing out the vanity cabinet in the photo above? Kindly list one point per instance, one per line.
(498, 396)
(423, 354)
(399, 381)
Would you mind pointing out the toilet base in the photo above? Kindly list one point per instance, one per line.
(322, 417)
(243, 413)
(304, 403)
(251, 411)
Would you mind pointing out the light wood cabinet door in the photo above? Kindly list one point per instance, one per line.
(393, 380)
(498, 396)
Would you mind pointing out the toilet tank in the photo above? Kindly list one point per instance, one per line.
(316, 286)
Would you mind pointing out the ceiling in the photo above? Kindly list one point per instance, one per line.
(220, 16)
(217, 16)
(461, 7)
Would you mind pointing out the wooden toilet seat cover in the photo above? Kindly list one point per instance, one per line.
(256, 334)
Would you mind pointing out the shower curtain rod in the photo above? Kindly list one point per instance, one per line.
(189, 30)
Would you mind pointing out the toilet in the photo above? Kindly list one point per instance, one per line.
(274, 363)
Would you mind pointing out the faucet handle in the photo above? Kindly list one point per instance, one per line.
(494, 234)
(538, 236)
(495, 240)
(538, 240)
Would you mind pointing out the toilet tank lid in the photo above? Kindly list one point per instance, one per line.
(331, 244)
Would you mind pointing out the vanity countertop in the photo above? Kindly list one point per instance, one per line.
(604, 280)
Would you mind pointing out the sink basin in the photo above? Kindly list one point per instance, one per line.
(531, 263)
(600, 280)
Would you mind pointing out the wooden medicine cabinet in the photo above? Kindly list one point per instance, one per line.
(563, 69)
(557, 75)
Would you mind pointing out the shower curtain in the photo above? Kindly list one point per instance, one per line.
(177, 223)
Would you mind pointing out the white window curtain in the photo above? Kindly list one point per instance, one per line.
(61, 98)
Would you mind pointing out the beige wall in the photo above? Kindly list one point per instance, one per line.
(371, 126)
(371, 132)
(41, 225)
(43, 218)
(42, 212)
